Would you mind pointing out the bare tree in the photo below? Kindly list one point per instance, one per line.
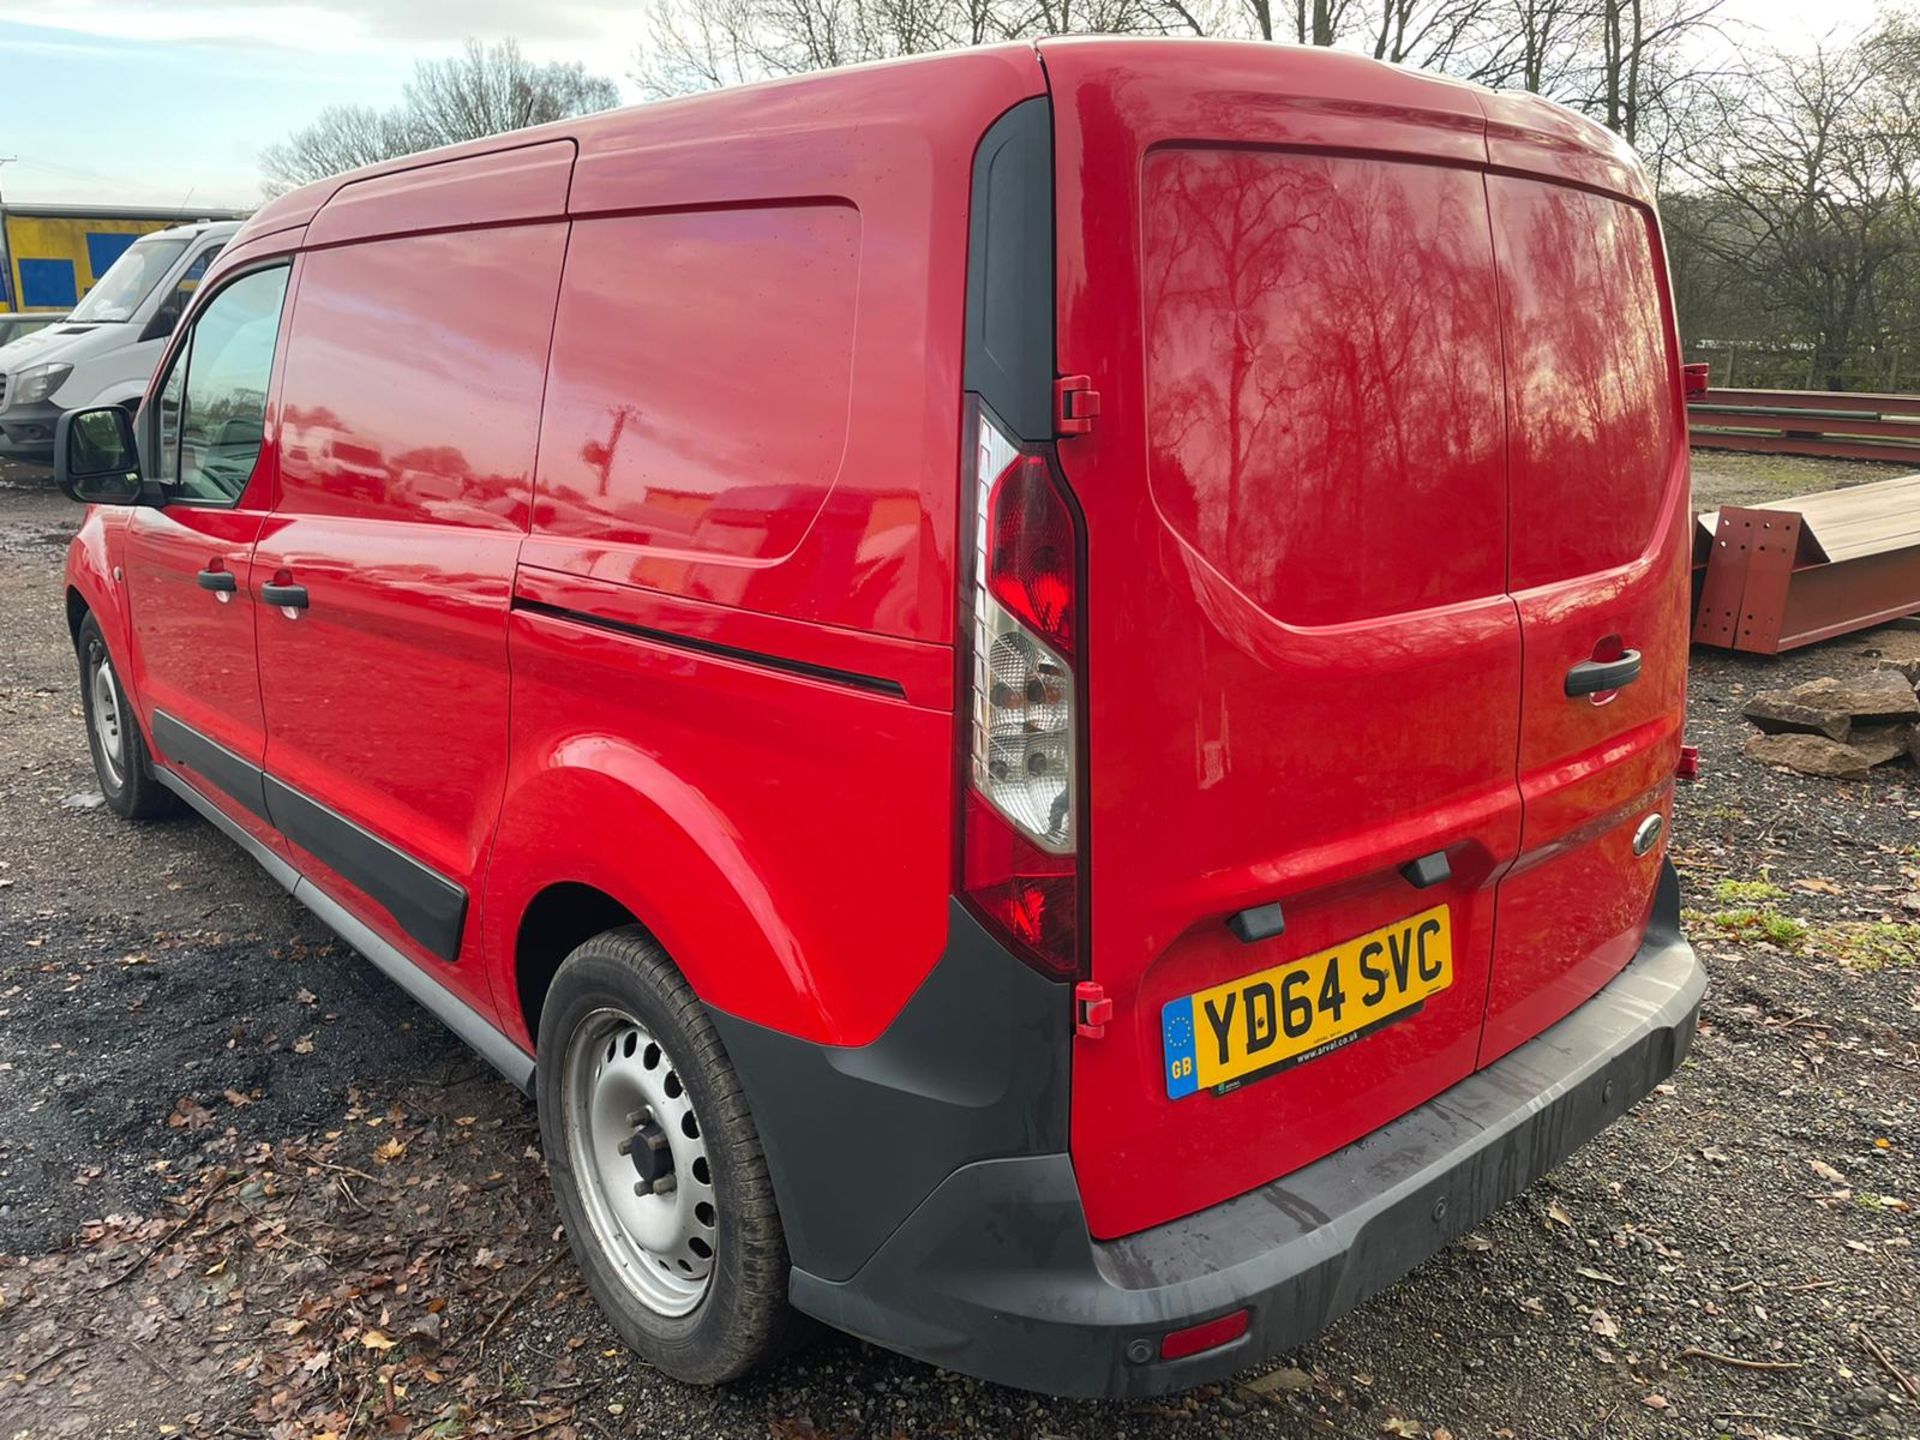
(1805, 177)
(699, 44)
(483, 91)
(344, 137)
(488, 89)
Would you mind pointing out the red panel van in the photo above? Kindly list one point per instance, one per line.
(1034, 692)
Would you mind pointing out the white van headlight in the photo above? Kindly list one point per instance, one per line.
(36, 383)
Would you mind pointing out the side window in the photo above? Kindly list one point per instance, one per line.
(189, 281)
(213, 403)
(170, 391)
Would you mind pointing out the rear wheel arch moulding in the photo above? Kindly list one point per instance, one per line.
(716, 920)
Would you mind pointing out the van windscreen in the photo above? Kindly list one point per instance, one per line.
(129, 280)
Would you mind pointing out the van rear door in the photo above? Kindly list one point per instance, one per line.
(1303, 667)
(1599, 570)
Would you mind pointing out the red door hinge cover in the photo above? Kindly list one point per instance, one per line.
(1092, 1009)
(1075, 404)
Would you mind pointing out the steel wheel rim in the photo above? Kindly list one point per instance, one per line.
(662, 1244)
(105, 698)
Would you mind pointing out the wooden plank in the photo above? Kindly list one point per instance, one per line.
(1846, 524)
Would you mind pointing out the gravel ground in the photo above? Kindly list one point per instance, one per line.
(1727, 477)
(249, 1189)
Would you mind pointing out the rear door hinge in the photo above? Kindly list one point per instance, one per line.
(1076, 404)
(1092, 1009)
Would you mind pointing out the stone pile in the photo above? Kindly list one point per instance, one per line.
(1840, 729)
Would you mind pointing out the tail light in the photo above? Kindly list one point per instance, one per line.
(1020, 819)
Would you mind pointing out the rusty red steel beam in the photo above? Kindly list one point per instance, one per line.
(1856, 400)
(1815, 423)
(1775, 577)
(1797, 422)
(1891, 452)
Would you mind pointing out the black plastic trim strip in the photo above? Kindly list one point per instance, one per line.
(430, 907)
(1009, 336)
(456, 1014)
(234, 774)
(427, 905)
(854, 679)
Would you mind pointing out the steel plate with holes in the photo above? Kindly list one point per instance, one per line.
(1218, 1039)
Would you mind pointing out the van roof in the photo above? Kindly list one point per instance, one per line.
(200, 227)
(1523, 131)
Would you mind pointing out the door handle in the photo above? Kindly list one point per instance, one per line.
(294, 597)
(217, 580)
(1596, 677)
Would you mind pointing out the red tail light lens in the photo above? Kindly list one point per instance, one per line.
(1020, 865)
(1031, 560)
(1030, 896)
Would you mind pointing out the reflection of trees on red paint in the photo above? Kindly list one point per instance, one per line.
(1321, 349)
(1592, 420)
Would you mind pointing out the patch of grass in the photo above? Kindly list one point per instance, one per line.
(1747, 892)
(1758, 923)
(1870, 944)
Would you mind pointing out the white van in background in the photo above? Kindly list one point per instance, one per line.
(104, 352)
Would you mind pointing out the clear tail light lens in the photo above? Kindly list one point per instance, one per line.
(1021, 823)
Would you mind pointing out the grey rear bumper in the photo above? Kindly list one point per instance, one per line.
(995, 1274)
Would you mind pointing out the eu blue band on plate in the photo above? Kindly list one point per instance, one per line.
(1176, 1030)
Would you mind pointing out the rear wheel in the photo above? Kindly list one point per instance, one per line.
(120, 758)
(656, 1165)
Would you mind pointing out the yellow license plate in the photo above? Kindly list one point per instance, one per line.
(1216, 1039)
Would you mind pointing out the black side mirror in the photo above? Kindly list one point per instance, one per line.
(95, 460)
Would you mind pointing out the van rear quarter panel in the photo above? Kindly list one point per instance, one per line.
(751, 438)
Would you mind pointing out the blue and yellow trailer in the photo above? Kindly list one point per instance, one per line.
(51, 255)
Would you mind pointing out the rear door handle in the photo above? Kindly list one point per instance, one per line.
(217, 580)
(1596, 677)
(292, 596)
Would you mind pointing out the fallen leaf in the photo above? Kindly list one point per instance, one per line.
(1558, 1215)
(1473, 1240)
(303, 1046)
(389, 1150)
(374, 1340)
(1654, 1402)
(1826, 1172)
(1397, 1426)
(1602, 1324)
(1715, 1154)
(1589, 1273)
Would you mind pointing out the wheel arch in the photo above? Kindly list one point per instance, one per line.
(556, 922)
(607, 836)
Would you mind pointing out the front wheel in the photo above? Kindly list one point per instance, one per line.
(120, 759)
(656, 1165)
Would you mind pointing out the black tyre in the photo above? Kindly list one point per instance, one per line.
(656, 1165)
(120, 758)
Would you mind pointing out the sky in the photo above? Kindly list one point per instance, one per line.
(169, 102)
